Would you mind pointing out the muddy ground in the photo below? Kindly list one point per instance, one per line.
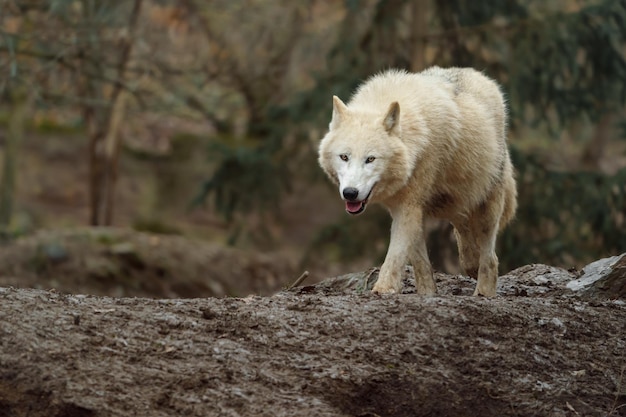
(331, 349)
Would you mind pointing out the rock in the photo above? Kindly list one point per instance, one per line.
(535, 280)
(53, 252)
(353, 282)
(605, 278)
(123, 249)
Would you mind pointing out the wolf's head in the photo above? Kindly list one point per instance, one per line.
(364, 154)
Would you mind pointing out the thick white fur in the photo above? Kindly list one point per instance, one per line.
(427, 144)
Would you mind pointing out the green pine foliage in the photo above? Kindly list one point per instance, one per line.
(246, 180)
(564, 217)
(573, 64)
(556, 66)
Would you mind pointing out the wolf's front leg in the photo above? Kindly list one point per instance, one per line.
(406, 244)
(390, 276)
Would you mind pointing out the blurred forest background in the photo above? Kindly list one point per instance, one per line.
(202, 118)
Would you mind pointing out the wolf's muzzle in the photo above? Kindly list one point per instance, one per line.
(350, 193)
(353, 205)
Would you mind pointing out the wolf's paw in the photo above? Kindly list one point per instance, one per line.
(484, 292)
(385, 288)
(486, 286)
(425, 285)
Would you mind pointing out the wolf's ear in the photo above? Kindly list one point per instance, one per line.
(339, 112)
(391, 122)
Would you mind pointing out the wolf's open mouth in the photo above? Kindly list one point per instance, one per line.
(356, 207)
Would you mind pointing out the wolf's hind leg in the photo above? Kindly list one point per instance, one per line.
(477, 243)
(488, 269)
(485, 224)
(424, 280)
(469, 254)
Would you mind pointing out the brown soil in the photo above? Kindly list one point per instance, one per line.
(125, 263)
(331, 349)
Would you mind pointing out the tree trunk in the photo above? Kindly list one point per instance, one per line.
(104, 131)
(91, 94)
(96, 178)
(419, 30)
(17, 119)
(112, 150)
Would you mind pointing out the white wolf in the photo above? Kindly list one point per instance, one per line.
(426, 144)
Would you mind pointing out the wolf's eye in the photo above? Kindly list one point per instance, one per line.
(370, 159)
(344, 157)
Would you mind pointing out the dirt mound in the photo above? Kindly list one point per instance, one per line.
(332, 349)
(125, 263)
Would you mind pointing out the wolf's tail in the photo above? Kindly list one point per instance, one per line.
(510, 194)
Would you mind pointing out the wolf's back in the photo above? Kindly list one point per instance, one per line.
(484, 90)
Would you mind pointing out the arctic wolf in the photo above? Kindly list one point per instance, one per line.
(428, 144)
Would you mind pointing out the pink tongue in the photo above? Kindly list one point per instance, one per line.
(353, 207)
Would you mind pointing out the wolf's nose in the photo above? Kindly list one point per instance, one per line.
(350, 193)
